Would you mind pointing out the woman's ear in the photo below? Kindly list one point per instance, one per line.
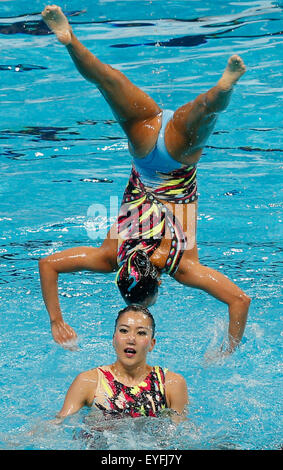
(153, 342)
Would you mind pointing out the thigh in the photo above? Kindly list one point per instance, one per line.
(136, 112)
(188, 131)
(133, 108)
(127, 100)
(142, 135)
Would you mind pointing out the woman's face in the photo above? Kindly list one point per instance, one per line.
(132, 339)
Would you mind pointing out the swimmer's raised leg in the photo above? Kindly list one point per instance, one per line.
(234, 70)
(58, 23)
(135, 110)
(192, 123)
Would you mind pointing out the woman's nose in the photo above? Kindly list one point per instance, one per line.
(131, 338)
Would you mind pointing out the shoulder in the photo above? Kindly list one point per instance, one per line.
(176, 391)
(87, 375)
(172, 379)
(87, 380)
(87, 384)
(91, 377)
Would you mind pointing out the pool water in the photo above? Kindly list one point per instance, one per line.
(62, 151)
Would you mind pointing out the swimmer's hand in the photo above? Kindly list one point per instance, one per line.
(64, 335)
(43, 427)
(213, 357)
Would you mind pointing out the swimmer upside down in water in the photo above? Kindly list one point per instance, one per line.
(156, 227)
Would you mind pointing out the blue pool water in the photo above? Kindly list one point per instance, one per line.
(62, 152)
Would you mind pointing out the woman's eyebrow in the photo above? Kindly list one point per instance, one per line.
(137, 327)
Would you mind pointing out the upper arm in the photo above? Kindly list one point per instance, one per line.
(176, 391)
(78, 259)
(80, 393)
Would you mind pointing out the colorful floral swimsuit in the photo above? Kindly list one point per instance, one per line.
(145, 399)
(143, 216)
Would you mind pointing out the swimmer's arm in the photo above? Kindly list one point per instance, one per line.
(81, 393)
(71, 260)
(176, 395)
(194, 274)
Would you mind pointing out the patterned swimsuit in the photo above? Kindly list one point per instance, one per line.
(143, 215)
(145, 399)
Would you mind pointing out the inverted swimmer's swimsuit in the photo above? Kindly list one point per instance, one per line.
(160, 173)
(142, 216)
(144, 399)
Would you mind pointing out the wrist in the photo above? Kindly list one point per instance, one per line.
(54, 321)
(233, 344)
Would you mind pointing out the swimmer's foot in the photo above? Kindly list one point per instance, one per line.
(56, 20)
(234, 70)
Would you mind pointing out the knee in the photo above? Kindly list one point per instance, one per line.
(201, 103)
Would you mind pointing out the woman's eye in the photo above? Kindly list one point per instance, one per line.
(142, 333)
(123, 330)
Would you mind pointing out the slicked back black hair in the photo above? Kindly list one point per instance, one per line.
(138, 309)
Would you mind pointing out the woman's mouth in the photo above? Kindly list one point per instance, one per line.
(130, 352)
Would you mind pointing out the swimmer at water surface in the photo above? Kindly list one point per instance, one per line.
(129, 386)
(155, 231)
